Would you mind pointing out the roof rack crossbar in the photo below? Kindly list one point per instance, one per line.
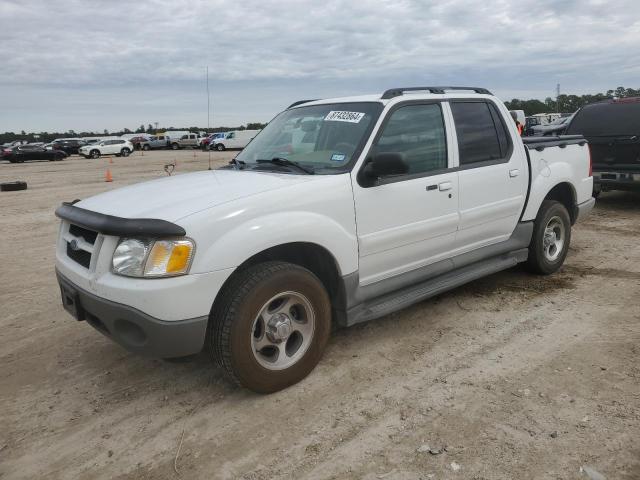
(300, 102)
(396, 92)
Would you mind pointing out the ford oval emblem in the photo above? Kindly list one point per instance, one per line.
(74, 244)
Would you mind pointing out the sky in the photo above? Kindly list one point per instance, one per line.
(90, 65)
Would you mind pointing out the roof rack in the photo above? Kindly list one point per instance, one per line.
(300, 102)
(396, 92)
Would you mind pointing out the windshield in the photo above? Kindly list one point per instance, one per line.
(324, 138)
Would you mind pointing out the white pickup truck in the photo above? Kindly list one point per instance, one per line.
(340, 211)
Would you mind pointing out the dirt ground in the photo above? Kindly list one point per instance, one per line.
(510, 377)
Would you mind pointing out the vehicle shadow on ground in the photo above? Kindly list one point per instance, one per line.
(199, 374)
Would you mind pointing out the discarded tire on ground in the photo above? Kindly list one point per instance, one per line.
(12, 186)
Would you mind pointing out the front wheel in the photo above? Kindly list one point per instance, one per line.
(175, 146)
(551, 237)
(94, 154)
(220, 147)
(146, 147)
(125, 152)
(270, 326)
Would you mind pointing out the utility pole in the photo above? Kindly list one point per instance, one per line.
(558, 98)
(208, 115)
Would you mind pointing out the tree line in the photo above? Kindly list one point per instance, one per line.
(149, 129)
(568, 103)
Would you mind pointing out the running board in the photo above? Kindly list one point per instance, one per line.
(392, 302)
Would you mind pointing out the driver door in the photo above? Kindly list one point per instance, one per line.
(408, 221)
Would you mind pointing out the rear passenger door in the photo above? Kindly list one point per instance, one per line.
(408, 221)
(493, 174)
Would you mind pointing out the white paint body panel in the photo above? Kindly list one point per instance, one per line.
(492, 197)
(553, 166)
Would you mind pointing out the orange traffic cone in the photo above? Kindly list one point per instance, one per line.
(111, 160)
(107, 176)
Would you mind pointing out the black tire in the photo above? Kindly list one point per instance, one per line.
(94, 154)
(146, 147)
(175, 146)
(13, 186)
(220, 147)
(87, 156)
(545, 260)
(125, 152)
(232, 324)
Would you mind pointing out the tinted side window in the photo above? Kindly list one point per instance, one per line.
(417, 131)
(477, 133)
(503, 135)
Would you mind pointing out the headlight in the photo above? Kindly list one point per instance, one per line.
(147, 258)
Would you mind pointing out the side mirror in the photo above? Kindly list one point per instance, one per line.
(383, 165)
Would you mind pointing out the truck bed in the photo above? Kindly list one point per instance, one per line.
(561, 162)
(540, 143)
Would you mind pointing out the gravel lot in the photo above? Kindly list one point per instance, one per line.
(510, 377)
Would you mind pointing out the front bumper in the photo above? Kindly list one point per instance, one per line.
(132, 329)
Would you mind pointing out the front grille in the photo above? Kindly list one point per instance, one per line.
(88, 235)
(80, 256)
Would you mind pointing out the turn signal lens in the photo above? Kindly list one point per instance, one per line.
(168, 258)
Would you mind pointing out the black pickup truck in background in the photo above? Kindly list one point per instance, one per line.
(612, 128)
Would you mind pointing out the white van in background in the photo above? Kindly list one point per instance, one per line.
(520, 116)
(234, 139)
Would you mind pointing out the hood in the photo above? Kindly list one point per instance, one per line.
(171, 198)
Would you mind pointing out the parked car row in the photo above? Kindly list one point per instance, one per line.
(94, 147)
(31, 151)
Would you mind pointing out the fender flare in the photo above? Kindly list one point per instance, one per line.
(259, 234)
(559, 173)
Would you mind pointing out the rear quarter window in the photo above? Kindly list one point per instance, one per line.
(482, 137)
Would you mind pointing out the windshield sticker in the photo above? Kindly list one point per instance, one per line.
(351, 117)
(338, 157)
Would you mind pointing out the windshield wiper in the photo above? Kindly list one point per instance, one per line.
(285, 162)
(237, 164)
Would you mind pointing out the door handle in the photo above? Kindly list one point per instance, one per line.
(514, 173)
(444, 186)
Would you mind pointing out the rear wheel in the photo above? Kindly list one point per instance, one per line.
(271, 325)
(551, 237)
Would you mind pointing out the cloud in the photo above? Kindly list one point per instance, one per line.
(135, 51)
